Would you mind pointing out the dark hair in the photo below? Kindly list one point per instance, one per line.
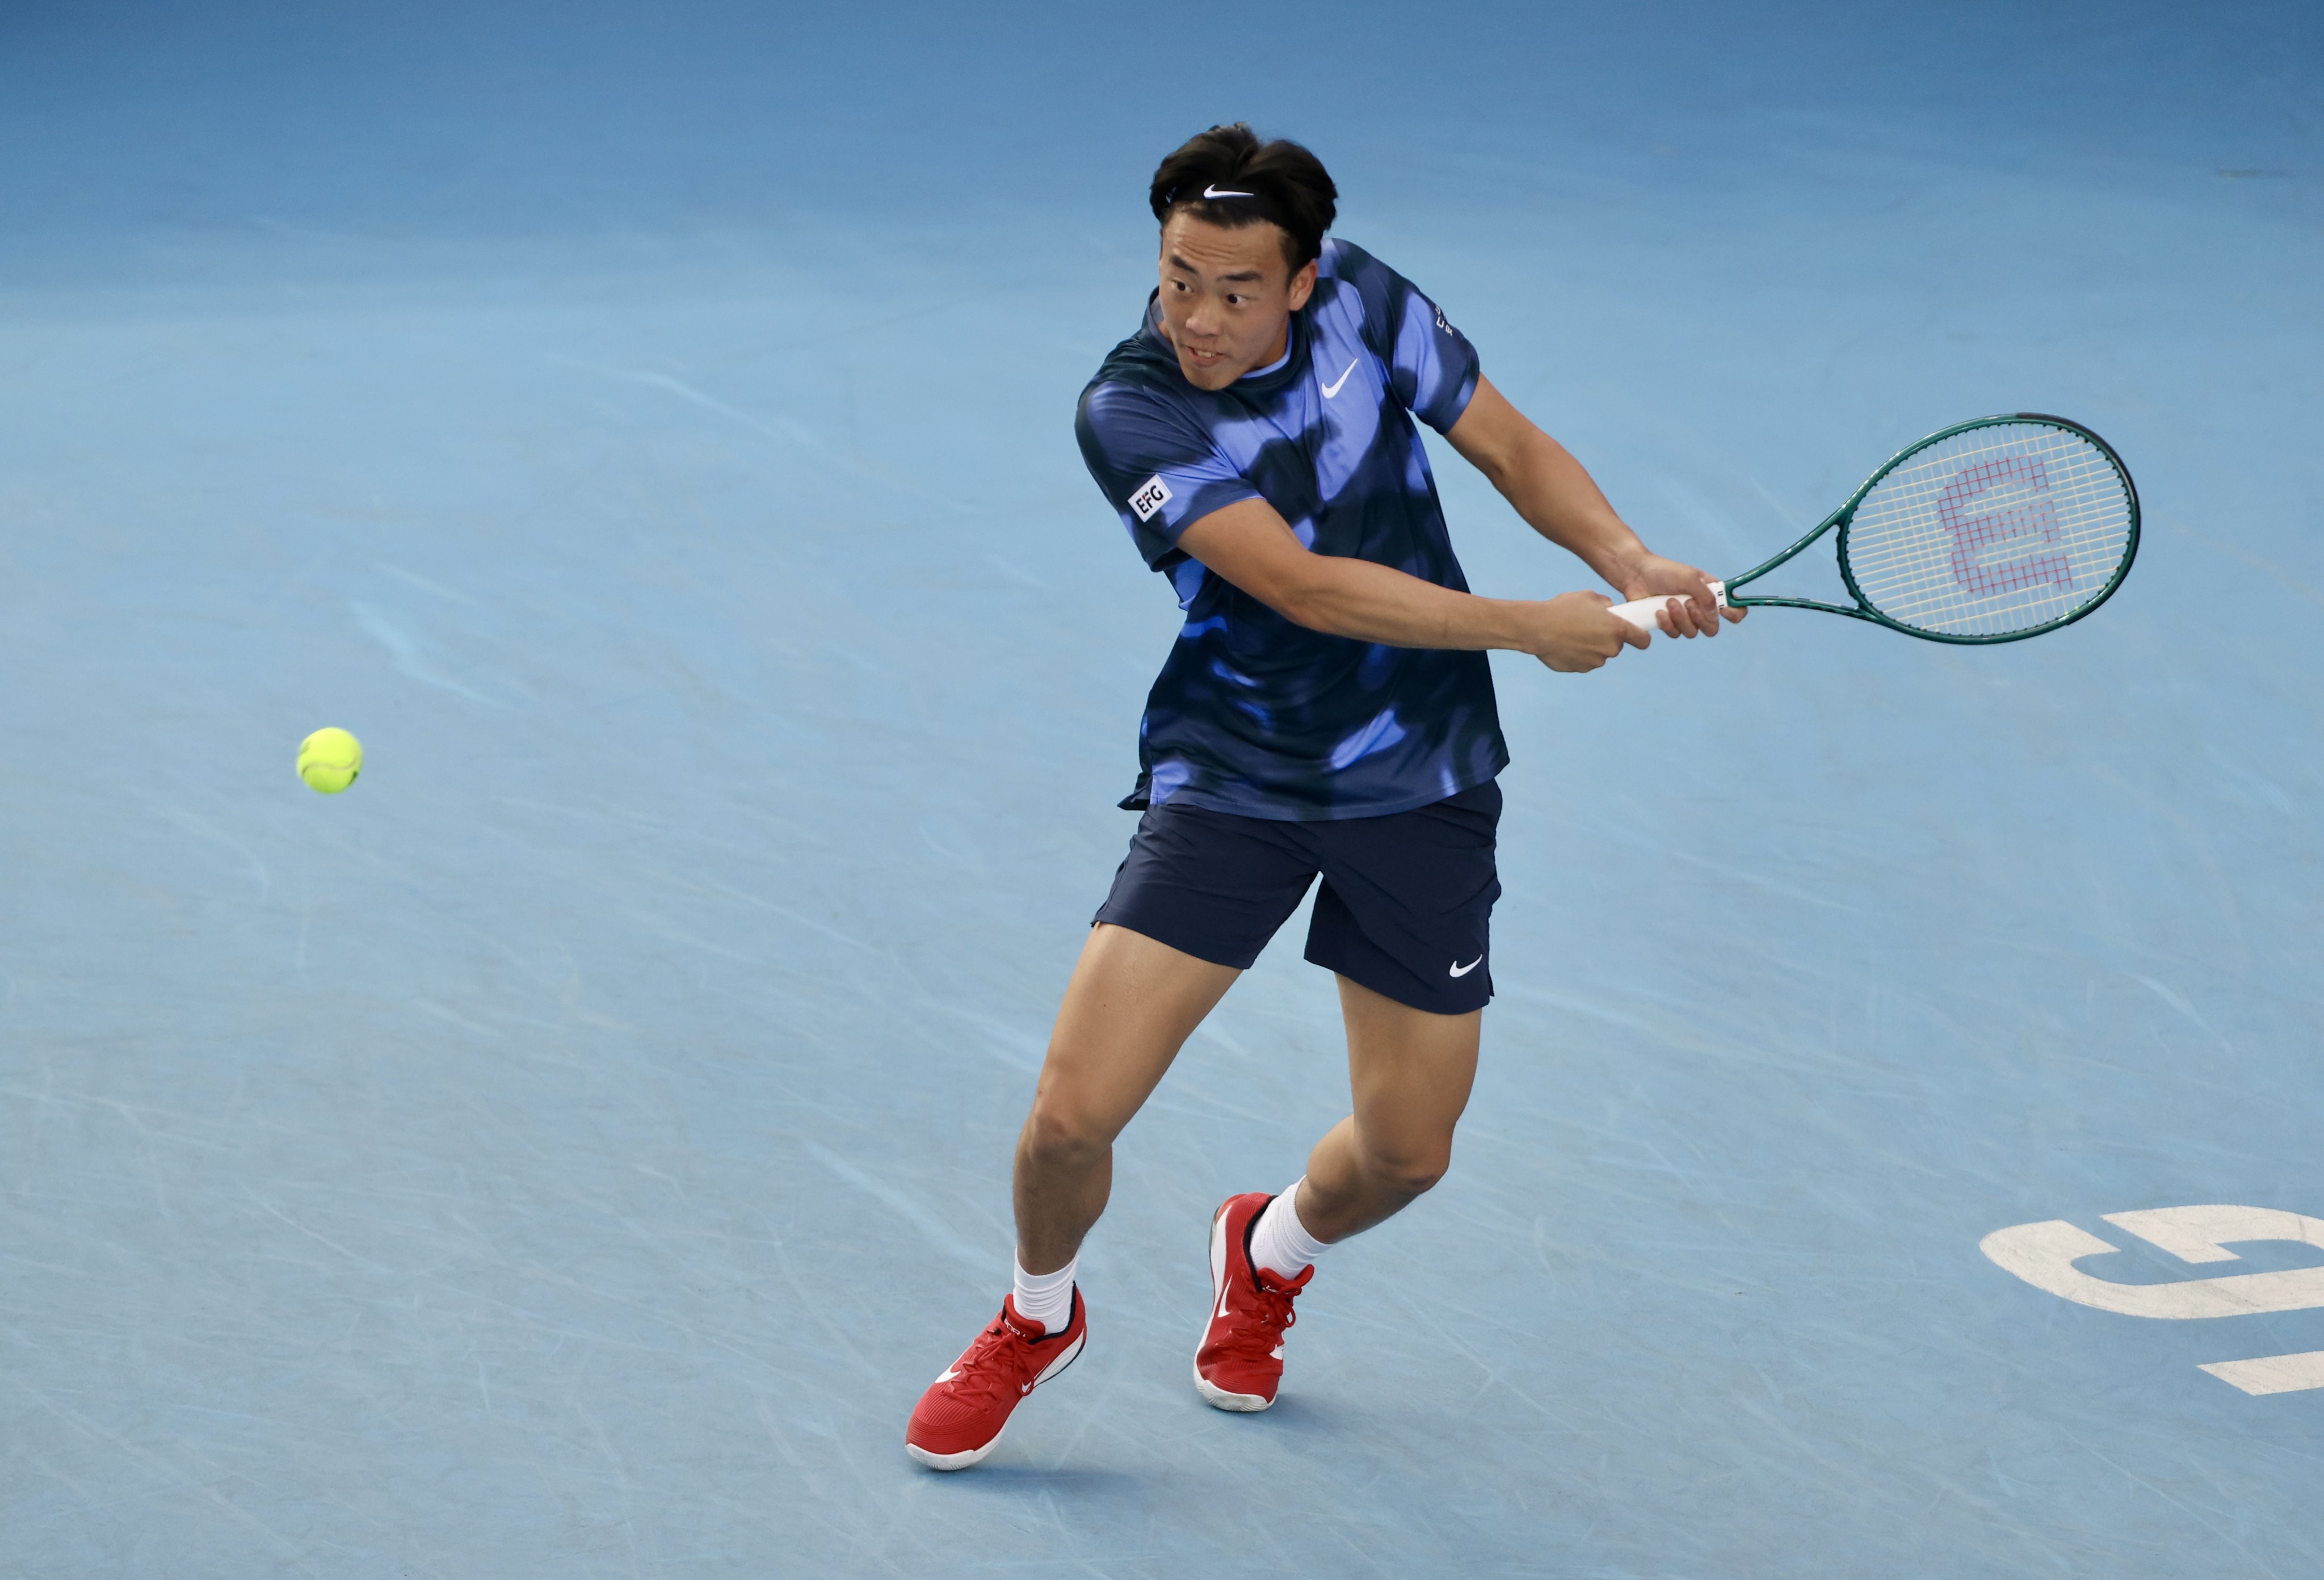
(1278, 181)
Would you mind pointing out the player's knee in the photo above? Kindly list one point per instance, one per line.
(1058, 1135)
(1411, 1174)
(1417, 1181)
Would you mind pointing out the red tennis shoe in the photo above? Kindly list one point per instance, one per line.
(1242, 1358)
(960, 1416)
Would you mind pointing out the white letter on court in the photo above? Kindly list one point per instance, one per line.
(2044, 1255)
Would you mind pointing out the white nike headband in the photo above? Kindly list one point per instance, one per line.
(1257, 204)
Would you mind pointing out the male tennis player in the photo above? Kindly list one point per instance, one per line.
(1327, 709)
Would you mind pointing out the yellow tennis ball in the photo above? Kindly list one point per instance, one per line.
(329, 760)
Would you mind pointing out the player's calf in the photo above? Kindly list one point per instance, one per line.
(1404, 1181)
(1356, 1179)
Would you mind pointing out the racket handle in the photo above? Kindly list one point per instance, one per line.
(1641, 611)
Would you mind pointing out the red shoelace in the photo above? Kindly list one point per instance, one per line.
(992, 1364)
(1257, 1335)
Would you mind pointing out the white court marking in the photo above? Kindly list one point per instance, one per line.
(2273, 1373)
(2043, 1254)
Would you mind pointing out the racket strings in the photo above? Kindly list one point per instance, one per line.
(1997, 529)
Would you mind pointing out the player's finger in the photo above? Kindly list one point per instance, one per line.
(1624, 632)
(1703, 605)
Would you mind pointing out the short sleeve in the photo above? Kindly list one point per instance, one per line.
(1432, 369)
(1155, 464)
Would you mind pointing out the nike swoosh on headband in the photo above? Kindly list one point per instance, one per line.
(1210, 191)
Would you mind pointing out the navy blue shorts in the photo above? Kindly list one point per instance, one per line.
(1405, 907)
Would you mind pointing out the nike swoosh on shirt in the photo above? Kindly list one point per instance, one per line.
(1333, 389)
(1459, 970)
(1210, 191)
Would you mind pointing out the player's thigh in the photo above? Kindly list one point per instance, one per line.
(1194, 902)
(1132, 1002)
(1410, 1072)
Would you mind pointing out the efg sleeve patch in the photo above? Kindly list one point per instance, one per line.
(1151, 496)
(1131, 428)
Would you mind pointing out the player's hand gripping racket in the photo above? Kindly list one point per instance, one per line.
(1989, 531)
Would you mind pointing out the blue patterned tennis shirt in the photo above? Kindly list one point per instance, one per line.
(1253, 714)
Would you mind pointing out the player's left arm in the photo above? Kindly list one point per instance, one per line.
(1557, 498)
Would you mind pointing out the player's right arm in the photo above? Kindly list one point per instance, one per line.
(1179, 496)
(1249, 544)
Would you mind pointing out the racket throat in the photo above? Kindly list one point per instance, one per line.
(1735, 584)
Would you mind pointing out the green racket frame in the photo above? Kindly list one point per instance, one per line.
(1844, 517)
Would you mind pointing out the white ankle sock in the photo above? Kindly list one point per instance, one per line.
(1047, 1298)
(1279, 1241)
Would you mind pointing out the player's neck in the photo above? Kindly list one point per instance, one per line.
(1275, 358)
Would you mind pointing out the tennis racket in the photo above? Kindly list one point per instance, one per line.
(1991, 531)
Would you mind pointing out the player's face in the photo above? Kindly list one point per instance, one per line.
(1227, 298)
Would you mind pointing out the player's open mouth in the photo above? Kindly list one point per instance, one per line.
(1205, 357)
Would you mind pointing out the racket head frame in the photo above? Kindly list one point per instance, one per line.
(1844, 517)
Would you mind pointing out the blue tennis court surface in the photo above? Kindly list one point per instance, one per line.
(571, 1152)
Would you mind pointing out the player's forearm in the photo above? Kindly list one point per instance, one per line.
(1558, 498)
(1376, 602)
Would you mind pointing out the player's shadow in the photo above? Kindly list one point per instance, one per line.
(1080, 1482)
(1293, 1417)
(1298, 1416)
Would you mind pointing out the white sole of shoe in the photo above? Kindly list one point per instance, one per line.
(969, 1457)
(954, 1460)
(1220, 1399)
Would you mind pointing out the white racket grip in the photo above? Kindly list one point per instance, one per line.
(1641, 611)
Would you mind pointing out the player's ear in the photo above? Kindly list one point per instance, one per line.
(1303, 285)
